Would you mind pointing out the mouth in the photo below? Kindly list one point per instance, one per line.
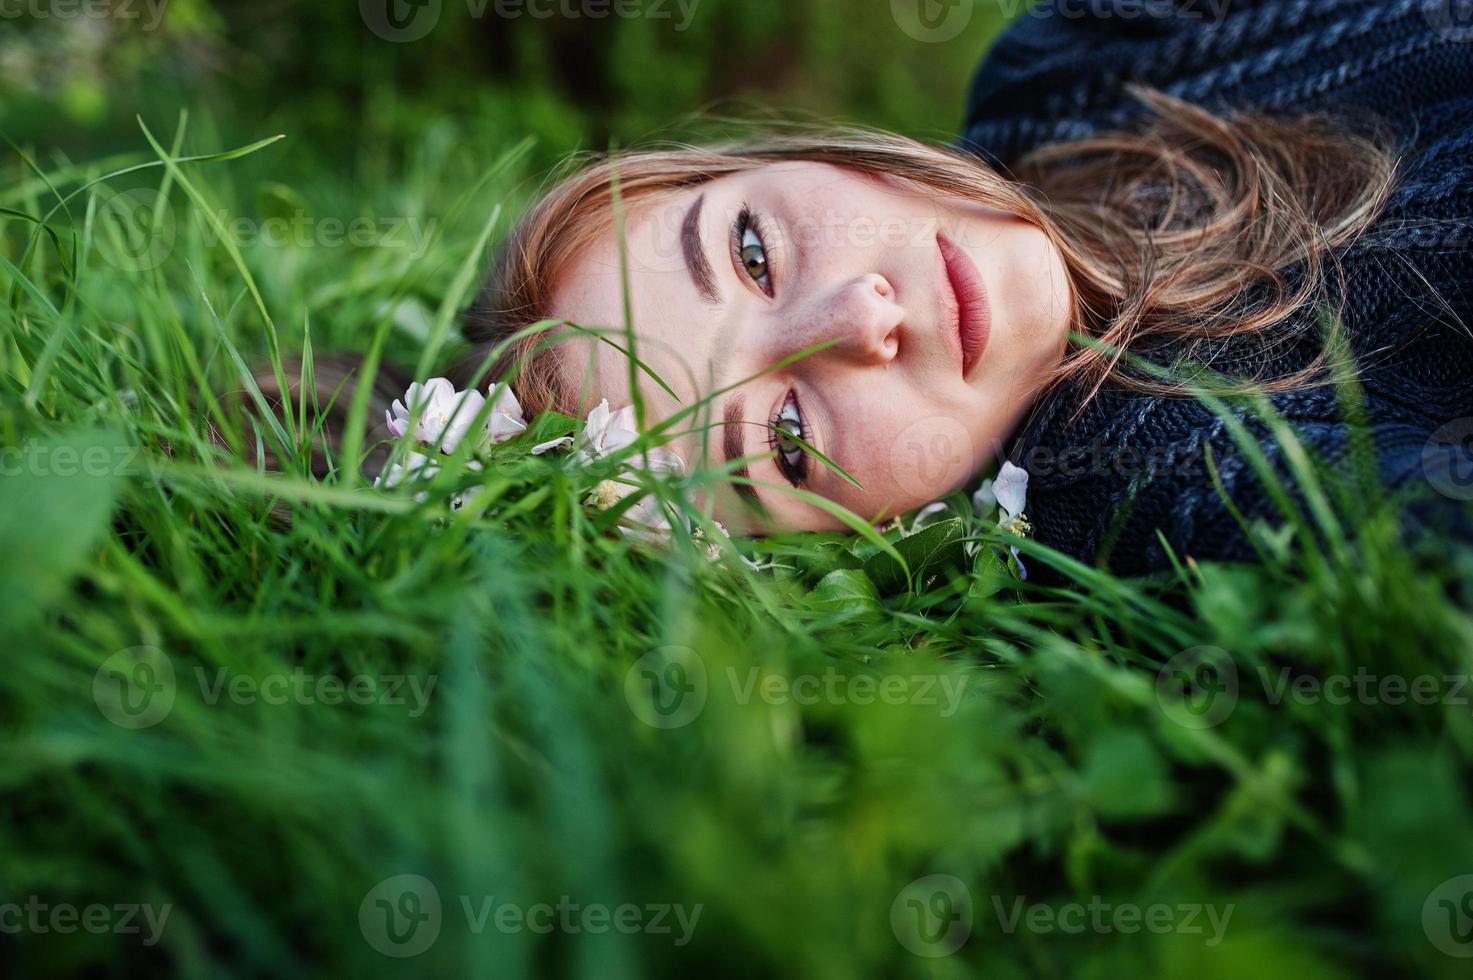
(969, 318)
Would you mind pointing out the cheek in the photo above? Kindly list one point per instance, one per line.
(911, 460)
(862, 229)
(1036, 296)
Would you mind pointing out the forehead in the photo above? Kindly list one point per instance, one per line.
(590, 288)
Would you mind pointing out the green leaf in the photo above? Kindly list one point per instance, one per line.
(845, 590)
(1123, 775)
(929, 552)
(56, 496)
(989, 573)
(548, 425)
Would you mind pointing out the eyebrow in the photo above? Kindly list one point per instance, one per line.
(732, 446)
(696, 262)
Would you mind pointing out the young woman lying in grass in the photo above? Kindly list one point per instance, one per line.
(1045, 292)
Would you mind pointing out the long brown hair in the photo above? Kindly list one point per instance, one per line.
(1180, 228)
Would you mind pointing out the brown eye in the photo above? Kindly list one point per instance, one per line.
(787, 430)
(790, 429)
(749, 250)
(753, 255)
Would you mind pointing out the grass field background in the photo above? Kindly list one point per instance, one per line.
(384, 738)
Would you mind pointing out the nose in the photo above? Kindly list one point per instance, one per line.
(860, 314)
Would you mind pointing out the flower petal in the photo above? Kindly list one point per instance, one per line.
(558, 443)
(503, 427)
(437, 388)
(595, 424)
(658, 459)
(415, 467)
(504, 401)
(984, 499)
(1022, 568)
(1011, 488)
(451, 419)
(620, 431)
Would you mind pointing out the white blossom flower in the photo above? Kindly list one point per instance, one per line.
(506, 419)
(608, 493)
(645, 518)
(658, 459)
(558, 443)
(1009, 493)
(606, 432)
(419, 468)
(415, 467)
(445, 415)
(928, 511)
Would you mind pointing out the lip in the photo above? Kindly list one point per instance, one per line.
(968, 309)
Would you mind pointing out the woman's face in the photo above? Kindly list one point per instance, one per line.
(944, 316)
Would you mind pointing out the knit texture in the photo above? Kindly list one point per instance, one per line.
(1108, 482)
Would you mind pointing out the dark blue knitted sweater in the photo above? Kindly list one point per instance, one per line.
(1105, 480)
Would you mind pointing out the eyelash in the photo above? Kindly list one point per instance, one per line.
(747, 221)
(795, 472)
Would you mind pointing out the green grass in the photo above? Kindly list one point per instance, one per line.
(526, 768)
